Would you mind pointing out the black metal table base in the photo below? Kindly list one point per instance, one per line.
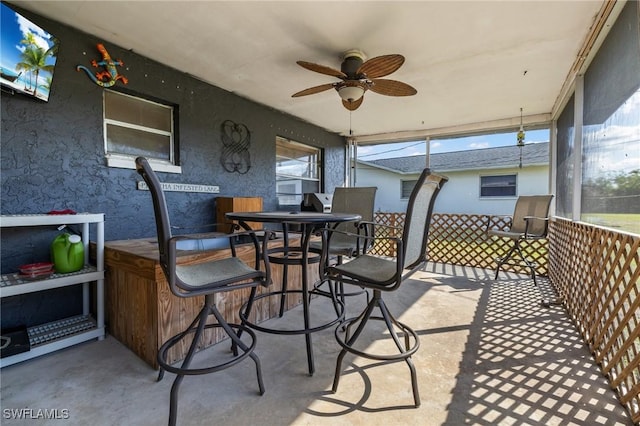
(297, 255)
(307, 330)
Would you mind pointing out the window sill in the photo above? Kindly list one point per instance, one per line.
(129, 163)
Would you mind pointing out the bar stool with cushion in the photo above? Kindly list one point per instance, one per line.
(204, 279)
(384, 274)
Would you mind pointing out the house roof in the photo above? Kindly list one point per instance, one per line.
(535, 154)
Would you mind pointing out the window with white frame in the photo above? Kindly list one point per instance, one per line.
(134, 126)
(297, 172)
(498, 186)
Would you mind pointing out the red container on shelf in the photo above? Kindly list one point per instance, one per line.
(36, 270)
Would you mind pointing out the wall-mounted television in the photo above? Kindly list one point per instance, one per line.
(27, 55)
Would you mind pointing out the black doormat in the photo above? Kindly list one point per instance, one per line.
(14, 341)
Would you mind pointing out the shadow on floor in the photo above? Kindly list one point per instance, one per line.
(489, 355)
(524, 363)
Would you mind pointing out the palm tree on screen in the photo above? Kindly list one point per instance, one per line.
(34, 58)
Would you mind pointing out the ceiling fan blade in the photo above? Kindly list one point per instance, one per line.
(391, 88)
(381, 66)
(312, 90)
(353, 105)
(322, 69)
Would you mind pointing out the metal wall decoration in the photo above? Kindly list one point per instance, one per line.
(109, 75)
(236, 139)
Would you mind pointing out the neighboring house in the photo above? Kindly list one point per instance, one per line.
(481, 181)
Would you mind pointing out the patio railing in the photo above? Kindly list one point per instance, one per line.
(594, 270)
(462, 239)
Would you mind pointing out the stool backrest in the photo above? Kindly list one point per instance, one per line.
(418, 218)
(163, 225)
(531, 205)
(358, 200)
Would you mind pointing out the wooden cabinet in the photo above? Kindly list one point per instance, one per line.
(225, 205)
(142, 313)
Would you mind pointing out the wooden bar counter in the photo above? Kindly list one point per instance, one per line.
(142, 313)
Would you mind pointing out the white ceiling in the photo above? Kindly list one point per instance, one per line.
(471, 62)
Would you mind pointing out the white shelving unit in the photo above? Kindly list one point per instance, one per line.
(67, 332)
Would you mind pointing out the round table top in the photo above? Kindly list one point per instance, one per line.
(293, 217)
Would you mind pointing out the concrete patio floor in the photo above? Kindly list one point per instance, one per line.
(489, 355)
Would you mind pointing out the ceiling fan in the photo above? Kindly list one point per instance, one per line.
(357, 76)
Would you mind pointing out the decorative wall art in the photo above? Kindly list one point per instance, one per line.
(110, 75)
(236, 139)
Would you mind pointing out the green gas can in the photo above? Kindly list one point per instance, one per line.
(67, 253)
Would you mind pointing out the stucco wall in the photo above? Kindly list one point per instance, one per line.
(52, 156)
(461, 194)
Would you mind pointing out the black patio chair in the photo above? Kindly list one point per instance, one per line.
(383, 274)
(204, 279)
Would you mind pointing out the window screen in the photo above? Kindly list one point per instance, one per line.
(498, 186)
(297, 172)
(407, 187)
(134, 126)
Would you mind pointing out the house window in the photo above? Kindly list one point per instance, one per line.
(134, 127)
(297, 172)
(498, 186)
(406, 188)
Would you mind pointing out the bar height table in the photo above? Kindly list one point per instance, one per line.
(298, 256)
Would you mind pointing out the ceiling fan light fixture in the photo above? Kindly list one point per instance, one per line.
(359, 75)
(351, 93)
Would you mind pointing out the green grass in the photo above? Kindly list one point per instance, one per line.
(628, 222)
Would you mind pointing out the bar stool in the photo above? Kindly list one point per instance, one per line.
(381, 274)
(358, 200)
(204, 279)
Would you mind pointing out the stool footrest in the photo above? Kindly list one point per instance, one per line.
(404, 338)
(401, 356)
(162, 352)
